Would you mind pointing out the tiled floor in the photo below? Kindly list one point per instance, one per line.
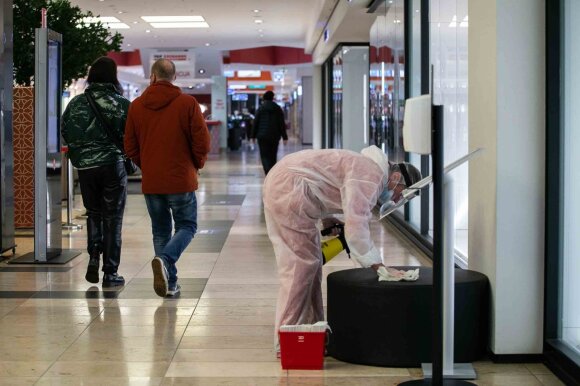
(57, 329)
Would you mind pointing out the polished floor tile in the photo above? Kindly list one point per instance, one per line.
(57, 329)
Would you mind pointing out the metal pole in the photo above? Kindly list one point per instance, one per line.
(69, 199)
(449, 277)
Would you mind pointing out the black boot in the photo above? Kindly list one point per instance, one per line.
(113, 280)
(92, 275)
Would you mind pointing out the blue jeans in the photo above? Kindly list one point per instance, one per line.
(182, 208)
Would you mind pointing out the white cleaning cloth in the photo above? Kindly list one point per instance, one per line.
(395, 275)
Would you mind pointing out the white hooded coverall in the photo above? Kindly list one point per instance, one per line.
(301, 189)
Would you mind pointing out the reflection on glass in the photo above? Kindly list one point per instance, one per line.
(449, 32)
(337, 100)
(53, 155)
(387, 81)
(570, 327)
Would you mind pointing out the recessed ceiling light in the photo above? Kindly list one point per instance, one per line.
(167, 19)
(148, 31)
(128, 44)
(120, 12)
(108, 22)
(258, 21)
(193, 24)
(256, 10)
(102, 19)
(201, 71)
(135, 22)
(117, 25)
(207, 44)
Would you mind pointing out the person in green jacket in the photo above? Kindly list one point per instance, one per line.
(102, 176)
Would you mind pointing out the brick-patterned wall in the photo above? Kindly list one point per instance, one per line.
(23, 124)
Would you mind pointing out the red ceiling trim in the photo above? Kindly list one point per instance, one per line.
(126, 58)
(271, 55)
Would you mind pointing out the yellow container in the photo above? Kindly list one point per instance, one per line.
(331, 248)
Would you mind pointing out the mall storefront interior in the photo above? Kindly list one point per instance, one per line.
(507, 75)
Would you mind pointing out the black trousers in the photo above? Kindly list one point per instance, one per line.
(268, 153)
(104, 191)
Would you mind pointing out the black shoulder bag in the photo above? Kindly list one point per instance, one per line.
(130, 166)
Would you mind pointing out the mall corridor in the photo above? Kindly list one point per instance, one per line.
(58, 329)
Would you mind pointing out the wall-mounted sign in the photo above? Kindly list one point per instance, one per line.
(249, 74)
(184, 62)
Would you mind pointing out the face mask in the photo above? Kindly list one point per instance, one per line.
(386, 195)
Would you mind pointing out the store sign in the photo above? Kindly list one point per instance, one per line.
(184, 62)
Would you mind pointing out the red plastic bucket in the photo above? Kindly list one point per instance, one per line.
(302, 350)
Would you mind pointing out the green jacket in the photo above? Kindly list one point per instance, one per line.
(88, 143)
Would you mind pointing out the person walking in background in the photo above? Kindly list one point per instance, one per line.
(102, 176)
(166, 136)
(269, 127)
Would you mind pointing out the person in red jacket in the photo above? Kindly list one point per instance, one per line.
(166, 136)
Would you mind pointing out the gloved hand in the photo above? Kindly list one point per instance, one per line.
(330, 223)
(391, 274)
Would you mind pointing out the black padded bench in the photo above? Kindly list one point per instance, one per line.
(389, 323)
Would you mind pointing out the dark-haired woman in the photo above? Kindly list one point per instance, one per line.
(99, 161)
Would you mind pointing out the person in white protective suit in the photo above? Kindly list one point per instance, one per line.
(308, 186)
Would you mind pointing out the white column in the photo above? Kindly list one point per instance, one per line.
(506, 187)
(355, 97)
(219, 107)
(317, 107)
(307, 110)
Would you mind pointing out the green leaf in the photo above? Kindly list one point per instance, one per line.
(82, 43)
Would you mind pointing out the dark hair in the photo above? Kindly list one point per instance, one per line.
(104, 70)
(164, 69)
(411, 175)
(268, 96)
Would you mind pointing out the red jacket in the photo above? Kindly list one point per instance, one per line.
(166, 136)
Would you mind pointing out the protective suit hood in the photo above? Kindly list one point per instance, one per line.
(378, 156)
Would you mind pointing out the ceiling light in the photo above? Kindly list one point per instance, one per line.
(258, 21)
(102, 19)
(116, 25)
(135, 22)
(193, 24)
(256, 10)
(207, 44)
(148, 31)
(201, 71)
(120, 12)
(260, 30)
(167, 19)
(128, 44)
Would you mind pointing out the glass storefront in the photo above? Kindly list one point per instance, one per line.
(562, 308)
(345, 101)
(387, 81)
(337, 100)
(570, 205)
(448, 50)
